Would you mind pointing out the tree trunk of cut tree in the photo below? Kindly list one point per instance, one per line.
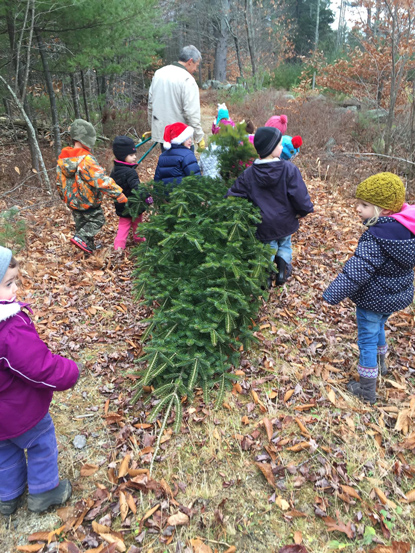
(52, 98)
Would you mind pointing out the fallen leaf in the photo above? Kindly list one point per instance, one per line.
(339, 526)
(292, 549)
(332, 396)
(282, 504)
(123, 507)
(266, 470)
(112, 540)
(351, 491)
(288, 395)
(31, 548)
(179, 519)
(298, 537)
(88, 469)
(231, 549)
(268, 428)
(199, 546)
(410, 496)
(124, 466)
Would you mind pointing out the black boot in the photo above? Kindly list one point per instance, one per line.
(383, 369)
(8, 507)
(283, 269)
(39, 502)
(365, 389)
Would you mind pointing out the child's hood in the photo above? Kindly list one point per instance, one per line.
(406, 217)
(267, 172)
(400, 250)
(69, 159)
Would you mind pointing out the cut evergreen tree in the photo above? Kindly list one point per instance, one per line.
(235, 152)
(204, 267)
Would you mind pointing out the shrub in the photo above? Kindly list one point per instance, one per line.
(204, 267)
(286, 76)
(12, 230)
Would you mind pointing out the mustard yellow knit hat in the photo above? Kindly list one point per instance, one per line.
(385, 190)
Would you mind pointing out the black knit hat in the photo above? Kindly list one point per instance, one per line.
(123, 147)
(265, 140)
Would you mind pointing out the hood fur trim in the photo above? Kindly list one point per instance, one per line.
(8, 310)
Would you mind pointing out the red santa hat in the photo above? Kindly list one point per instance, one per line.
(176, 133)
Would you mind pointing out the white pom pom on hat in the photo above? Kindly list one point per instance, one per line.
(176, 133)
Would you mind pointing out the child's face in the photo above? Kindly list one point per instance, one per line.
(277, 150)
(8, 286)
(365, 210)
(188, 143)
(131, 158)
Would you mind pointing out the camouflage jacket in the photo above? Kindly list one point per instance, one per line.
(81, 181)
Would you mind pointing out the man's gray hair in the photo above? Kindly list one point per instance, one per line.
(190, 53)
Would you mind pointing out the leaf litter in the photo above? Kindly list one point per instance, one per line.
(292, 463)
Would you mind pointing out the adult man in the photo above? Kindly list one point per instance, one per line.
(174, 96)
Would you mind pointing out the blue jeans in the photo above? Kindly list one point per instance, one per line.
(41, 470)
(282, 248)
(370, 339)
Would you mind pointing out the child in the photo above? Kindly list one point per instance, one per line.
(290, 146)
(279, 122)
(177, 161)
(221, 119)
(125, 175)
(379, 278)
(81, 182)
(277, 188)
(29, 374)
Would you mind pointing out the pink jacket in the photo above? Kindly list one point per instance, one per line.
(29, 372)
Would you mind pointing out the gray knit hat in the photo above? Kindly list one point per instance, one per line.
(5, 257)
(83, 132)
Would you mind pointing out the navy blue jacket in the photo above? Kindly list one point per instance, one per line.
(380, 275)
(175, 164)
(278, 189)
(125, 176)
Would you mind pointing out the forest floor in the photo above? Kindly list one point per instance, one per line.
(291, 463)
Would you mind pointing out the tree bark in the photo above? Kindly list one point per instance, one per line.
(75, 99)
(32, 132)
(52, 98)
(84, 96)
(221, 27)
(250, 34)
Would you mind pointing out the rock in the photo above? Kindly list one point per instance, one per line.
(329, 145)
(350, 103)
(79, 441)
(379, 114)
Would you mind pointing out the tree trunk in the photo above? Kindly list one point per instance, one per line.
(31, 132)
(250, 34)
(75, 99)
(84, 96)
(221, 48)
(52, 98)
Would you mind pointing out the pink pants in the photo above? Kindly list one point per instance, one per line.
(124, 225)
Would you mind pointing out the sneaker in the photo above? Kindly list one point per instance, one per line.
(7, 508)
(81, 244)
(39, 502)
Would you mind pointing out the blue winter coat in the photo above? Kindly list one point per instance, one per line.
(278, 189)
(175, 164)
(380, 275)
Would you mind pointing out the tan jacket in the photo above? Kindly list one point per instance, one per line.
(173, 97)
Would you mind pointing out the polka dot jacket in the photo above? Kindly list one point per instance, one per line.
(380, 275)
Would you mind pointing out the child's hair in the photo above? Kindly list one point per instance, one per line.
(13, 263)
(250, 127)
(373, 220)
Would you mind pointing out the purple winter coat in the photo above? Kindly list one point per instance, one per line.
(29, 373)
(278, 189)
